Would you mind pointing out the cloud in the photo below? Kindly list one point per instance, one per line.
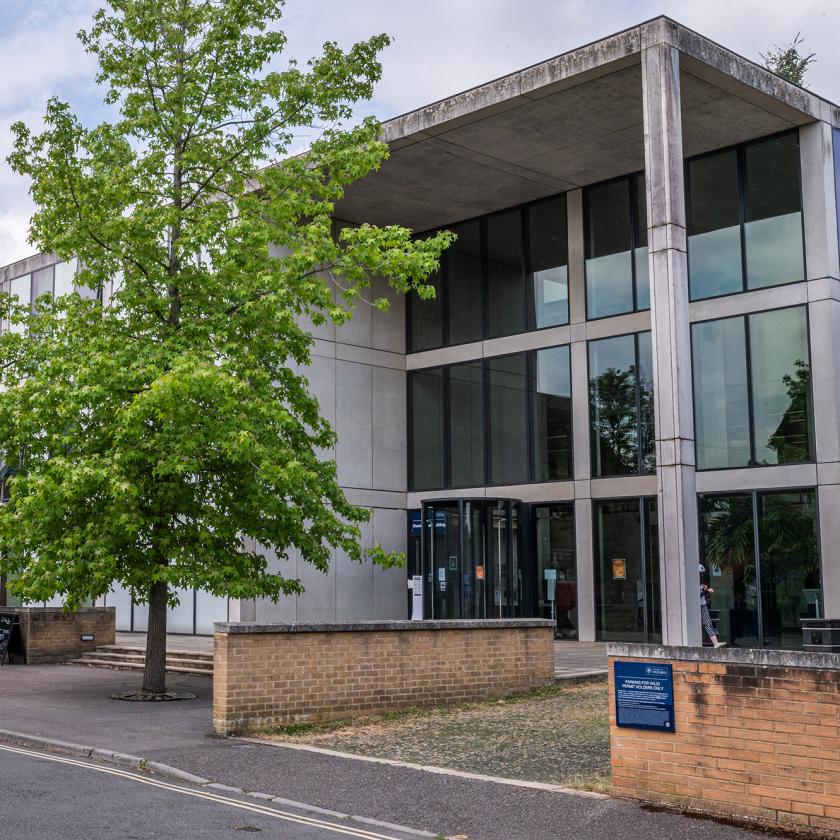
(440, 47)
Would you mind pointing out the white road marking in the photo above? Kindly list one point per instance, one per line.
(312, 822)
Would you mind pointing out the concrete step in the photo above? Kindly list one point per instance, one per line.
(139, 659)
(172, 652)
(117, 665)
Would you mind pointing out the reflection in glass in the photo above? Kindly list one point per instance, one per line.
(426, 329)
(507, 382)
(426, 389)
(464, 281)
(647, 430)
(554, 528)
(42, 282)
(781, 377)
(721, 394)
(548, 258)
(613, 412)
(714, 225)
(609, 267)
(773, 212)
(627, 600)
(474, 572)
(444, 534)
(65, 274)
(505, 289)
(552, 415)
(789, 565)
(466, 425)
(727, 540)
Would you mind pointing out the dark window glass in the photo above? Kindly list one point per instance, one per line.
(621, 405)
(548, 259)
(721, 394)
(464, 284)
(727, 540)
(627, 599)
(554, 531)
(552, 414)
(426, 328)
(640, 244)
(773, 212)
(765, 579)
(609, 267)
(466, 425)
(42, 282)
(508, 424)
(835, 134)
(781, 386)
(427, 450)
(714, 225)
(789, 563)
(506, 283)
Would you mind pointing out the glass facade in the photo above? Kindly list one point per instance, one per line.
(760, 556)
(556, 572)
(503, 420)
(752, 390)
(621, 405)
(745, 217)
(505, 274)
(616, 247)
(627, 599)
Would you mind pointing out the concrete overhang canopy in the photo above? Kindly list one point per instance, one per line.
(573, 120)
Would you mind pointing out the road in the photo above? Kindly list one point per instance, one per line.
(45, 796)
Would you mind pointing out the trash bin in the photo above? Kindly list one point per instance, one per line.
(821, 635)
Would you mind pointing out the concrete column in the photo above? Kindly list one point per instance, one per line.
(585, 570)
(676, 487)
(577, 281)
(822, 262)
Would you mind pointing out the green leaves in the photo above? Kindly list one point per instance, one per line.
(165, 431)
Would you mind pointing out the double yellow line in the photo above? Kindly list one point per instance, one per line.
(276, 813)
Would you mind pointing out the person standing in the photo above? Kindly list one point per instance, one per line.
(705, 616)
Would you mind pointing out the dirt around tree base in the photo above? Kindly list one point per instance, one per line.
(146, 696)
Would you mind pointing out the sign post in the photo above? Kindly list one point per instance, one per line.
(416, 598)
(644, 696)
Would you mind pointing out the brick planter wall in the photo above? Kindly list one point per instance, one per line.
(757, 736)
(277, 674)
(52, 635)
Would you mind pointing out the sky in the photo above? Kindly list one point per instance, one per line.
(440, 47)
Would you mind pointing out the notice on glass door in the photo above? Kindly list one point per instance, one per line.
(644, 696)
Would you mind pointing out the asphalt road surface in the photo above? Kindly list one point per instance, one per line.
(45, 796)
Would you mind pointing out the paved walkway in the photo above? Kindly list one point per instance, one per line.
(71, 703)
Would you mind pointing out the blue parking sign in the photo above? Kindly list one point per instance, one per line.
(644, 696)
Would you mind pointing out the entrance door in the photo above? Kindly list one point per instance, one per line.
(627, 600)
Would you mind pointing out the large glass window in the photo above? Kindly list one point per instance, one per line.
(621, 405)
(616, 247)
(752, 390)
(556, 583)
(551, 394)
(547, 262)
(466, 425)
(42, 282)
(760, 556)
(427, 439)
(464, 284)
(627, 598)
(745, 217)
(506, 381)
(506, 273)
(505, 279)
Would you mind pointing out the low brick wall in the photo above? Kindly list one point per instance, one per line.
(757, 735)
(52, 635)
(277, 674)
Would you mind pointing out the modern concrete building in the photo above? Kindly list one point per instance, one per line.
(632, 366)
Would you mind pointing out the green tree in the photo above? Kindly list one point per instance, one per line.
(157, 428)
(789, 60)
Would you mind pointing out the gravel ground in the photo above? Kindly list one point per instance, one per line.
(558, 735)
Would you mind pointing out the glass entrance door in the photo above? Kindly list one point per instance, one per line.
(471, 559)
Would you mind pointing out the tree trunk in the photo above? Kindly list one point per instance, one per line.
(154, 675)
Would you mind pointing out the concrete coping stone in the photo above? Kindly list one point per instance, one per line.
(56, 610)
(231, 628)
(733, 655)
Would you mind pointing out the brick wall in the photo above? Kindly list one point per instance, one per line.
(273, 675)
(52, 635)
(757, 736)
